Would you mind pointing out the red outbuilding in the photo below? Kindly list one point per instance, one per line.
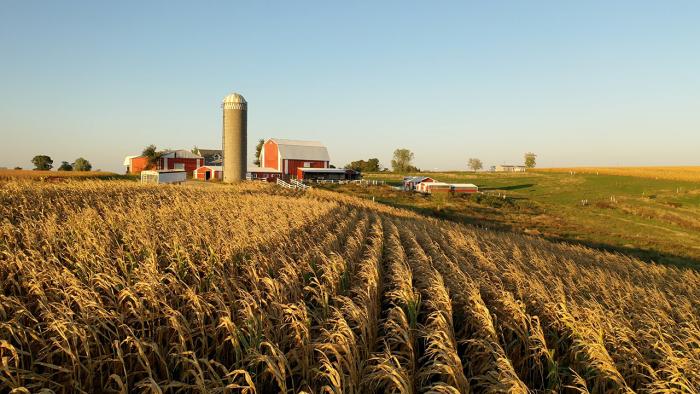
(206, 173)
(412, 182)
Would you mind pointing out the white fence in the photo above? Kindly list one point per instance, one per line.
(298, 184)
(293, 184)
(284, 184)
(345, 182)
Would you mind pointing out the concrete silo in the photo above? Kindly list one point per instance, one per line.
(235, 138)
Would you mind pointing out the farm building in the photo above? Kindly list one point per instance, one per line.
(168, 160)
(459, 188)
(424, 184)
(286, 156)
(258, 173)
(163, 176)
(326, 174)
(412, 182)
(212, 157)
(433, 187)
(128, 164)
(509, 168)
(179, 160)
(206, 173)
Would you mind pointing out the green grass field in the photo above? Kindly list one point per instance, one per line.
(654, 219)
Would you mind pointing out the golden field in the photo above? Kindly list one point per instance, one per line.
(112, 286)
(14, 174)
(689, 174)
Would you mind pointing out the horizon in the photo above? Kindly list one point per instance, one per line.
(580, 85)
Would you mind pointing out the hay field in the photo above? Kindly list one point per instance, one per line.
(121, 287)
(689, 174)
(31, 174)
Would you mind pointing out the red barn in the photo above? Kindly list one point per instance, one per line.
(179, 160)
(286, 156)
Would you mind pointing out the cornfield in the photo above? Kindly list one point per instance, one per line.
(689, 174)
(112, 286)
(33, 174)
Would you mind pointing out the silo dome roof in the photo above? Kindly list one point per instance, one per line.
(234, 98)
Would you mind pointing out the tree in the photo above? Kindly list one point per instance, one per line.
(475, 164)
(81, 164)
(65, 166)
(402, 160)
(530, 160)
(371, 165)
(258, 152)
(18, 168)
(42, 163)
(151, 152)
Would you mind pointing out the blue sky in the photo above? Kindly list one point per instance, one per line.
(578, 83)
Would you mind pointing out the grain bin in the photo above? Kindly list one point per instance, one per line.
(235, 139)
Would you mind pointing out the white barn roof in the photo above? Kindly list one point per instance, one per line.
(301, 150)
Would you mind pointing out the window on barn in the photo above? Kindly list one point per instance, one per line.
(307, 164)
(179, 166)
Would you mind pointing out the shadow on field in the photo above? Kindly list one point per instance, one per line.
(492, 219)
(512, 214)
(646, 255)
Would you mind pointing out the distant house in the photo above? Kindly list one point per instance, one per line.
(129, 165)
(510, 168)
(212, 157)
(284, 157)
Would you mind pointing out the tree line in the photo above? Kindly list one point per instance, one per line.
(45, 163)
(402, 161)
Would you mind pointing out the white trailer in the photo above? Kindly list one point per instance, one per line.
(163, 176)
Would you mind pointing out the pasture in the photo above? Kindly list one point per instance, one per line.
(688, 173)
(654, 219)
